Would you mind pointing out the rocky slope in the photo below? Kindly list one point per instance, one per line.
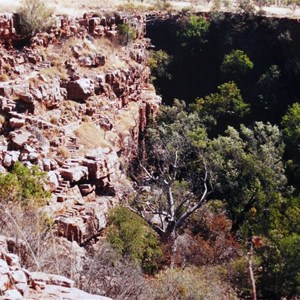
(73, 103)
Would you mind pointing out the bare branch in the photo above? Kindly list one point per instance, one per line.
(199, 203)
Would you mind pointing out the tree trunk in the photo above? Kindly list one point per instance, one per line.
(251, 275)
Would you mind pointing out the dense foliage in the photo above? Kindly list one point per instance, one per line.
(237, 141)
(130, 235)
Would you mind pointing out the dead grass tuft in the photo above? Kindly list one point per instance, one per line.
(3, 78)
(91, 137)
(127, 119)
(63, 152)
(2, 119)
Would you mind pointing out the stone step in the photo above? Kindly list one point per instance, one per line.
(61, 198)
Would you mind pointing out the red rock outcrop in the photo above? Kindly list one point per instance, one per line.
(47, 97)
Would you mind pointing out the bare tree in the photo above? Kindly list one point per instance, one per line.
(177, 171)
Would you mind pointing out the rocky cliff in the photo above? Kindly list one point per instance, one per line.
(74, 102)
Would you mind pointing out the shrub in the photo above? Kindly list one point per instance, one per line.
(63, 152)
(35, 16)
(106, 273)
(32, 238)
(23, 185)
(131, 236)
(126, 34)
(192, 283)
(236, 64)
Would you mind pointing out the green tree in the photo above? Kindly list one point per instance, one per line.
(176, 168)
(280, 260)
(291, 127)
(291, 133)
(193, 34)
(250, 174)
(227, 102)
(132, 237)
(158, 62)
(236, 65)
(268, 85)
(35, 16)
(126, 34)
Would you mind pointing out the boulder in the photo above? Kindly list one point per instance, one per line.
(7, 160)
(80, 89)
(12, 295)
(4, 269)
(74, 174)
(18, 276)
(96, 169)
(16, 122)
(20, 138)
(86, 189)
(4, 283)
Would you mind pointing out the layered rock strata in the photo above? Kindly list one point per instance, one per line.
(75, 103)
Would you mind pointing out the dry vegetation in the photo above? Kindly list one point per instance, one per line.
(127, 119)
(31, 236)
(91, 137)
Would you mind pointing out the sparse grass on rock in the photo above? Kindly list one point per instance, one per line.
(91, 137)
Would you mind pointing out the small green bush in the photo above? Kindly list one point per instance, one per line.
(23, 185)
(132, 237)
(236, 64)
(126, 34)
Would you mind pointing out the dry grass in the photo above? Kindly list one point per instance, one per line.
(63, 152)
(3, 77)
(32, 238)
(91, 137)
(127, 119)
(2, 119)
(53, 72)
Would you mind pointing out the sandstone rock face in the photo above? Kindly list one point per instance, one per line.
(80, 89)
(16, 122)
(17, 283)
(47, 98)
(74, 174)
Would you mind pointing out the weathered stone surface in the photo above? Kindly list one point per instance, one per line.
(80, 89)
(16, 122)
(18, 276)
(86, 189)
(7, 160)
(3, 267)
(12, 295)
(11, 258)
(20, 138)
(74, 174)
(96, 169)
(52, 279)
(4, 282)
